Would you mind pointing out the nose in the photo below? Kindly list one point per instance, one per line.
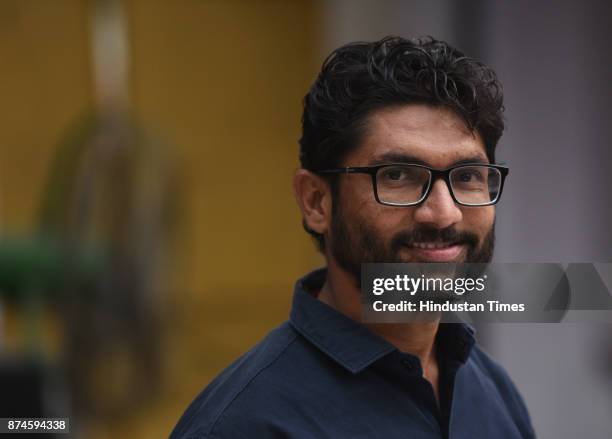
(439, 209)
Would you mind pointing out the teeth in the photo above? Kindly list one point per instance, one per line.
(431, 245)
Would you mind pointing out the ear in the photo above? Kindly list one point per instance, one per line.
(313, 195)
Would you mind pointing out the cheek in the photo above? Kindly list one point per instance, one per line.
(360, 209)
(385, 221)
(357, 202)
(479, 219)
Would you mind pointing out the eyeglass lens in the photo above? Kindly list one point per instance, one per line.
(406, 184)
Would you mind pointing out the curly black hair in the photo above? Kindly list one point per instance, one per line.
(360, 78)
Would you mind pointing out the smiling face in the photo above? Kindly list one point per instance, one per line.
(438, 229)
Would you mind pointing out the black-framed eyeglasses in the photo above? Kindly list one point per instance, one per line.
(402, 184)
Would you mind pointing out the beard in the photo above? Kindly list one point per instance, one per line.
(352, 246)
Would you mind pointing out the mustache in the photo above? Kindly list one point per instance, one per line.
(449, 235)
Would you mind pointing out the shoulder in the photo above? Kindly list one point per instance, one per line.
(499, 378)
(241, 390)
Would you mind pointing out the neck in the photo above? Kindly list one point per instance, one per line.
(341, 292)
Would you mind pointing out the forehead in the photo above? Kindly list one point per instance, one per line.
(434, 136)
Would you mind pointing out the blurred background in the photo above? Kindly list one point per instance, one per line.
(134, 268)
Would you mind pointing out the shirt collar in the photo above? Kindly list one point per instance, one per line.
(351, 344)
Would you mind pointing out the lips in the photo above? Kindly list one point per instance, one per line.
(437, 251)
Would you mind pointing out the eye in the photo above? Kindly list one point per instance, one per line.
(470, 176)
(395, 174)
(402, 177)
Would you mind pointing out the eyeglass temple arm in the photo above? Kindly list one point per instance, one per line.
(347, 170)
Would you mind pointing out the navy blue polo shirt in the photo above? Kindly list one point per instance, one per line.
(323, 375)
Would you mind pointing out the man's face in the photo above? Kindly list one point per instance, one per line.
(438, 229)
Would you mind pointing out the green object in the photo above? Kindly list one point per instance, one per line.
(42, 265)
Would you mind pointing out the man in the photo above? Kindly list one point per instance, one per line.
(395, 135)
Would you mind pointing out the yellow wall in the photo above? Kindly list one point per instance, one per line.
(221, 83)
(45, 85)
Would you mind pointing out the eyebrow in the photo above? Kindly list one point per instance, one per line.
(394, 157)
